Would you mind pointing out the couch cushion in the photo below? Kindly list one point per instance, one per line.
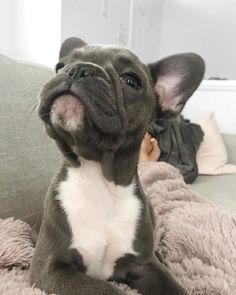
(230, 143)
(28, 158)
(220, 189)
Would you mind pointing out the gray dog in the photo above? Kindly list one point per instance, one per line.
(97, 225)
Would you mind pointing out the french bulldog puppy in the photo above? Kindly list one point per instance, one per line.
(97, 225)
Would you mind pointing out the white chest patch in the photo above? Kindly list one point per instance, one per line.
(103, 217)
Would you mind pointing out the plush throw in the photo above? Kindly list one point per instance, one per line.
(196, 239)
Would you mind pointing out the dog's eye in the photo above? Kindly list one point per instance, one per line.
(132, 80)
(59, 66)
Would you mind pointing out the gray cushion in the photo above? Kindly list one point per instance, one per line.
(220, 189)
(230, 143)
(28, 158)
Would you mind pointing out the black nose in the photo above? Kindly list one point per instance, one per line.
(77, 73)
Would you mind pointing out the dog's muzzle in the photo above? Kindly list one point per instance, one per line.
(87, 96)
(68, 112)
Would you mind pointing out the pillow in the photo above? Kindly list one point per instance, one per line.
(212, 154)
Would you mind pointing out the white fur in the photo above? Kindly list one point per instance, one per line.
(103, 217)
(72, 124)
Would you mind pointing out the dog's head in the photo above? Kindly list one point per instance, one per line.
(103, 98)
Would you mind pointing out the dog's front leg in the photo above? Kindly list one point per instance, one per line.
(153, 278)
(59, 270)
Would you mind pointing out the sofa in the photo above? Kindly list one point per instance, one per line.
(29, 158)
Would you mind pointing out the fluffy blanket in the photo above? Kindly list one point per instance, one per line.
(196, 239)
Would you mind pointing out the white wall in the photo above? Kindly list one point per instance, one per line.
(85, 19)
(145, 29)
(207, 27)
(130, 23)
(31, 29)
(218, 97)
(7, 12)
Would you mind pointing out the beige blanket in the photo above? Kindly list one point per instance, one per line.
(196, 239)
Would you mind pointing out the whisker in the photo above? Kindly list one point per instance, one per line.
(45, 114)
(44, 137)
(31, 105)
(67, 153)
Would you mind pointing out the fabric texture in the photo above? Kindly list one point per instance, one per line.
(28, 158)
(179, 140)
(212, 155)
(196, 239)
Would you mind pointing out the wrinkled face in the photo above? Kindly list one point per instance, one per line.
(101, 98)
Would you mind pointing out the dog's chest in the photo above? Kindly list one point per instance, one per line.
(103, 217)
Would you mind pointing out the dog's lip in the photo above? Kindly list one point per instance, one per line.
(67, 112)
(45, 111)
(66, 96)
(106, 120)
(63, 93)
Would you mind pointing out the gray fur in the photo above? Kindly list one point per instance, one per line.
(117, 117)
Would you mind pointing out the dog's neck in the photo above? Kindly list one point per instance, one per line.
(119, 168)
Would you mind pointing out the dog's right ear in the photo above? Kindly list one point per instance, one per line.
(175, 78)
(70, 44)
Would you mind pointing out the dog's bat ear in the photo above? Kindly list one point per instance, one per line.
(175, 79)
(70, 44)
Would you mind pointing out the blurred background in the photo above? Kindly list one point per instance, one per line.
(32, 30)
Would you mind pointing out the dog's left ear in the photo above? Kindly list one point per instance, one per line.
(175, 79)
(70, 44)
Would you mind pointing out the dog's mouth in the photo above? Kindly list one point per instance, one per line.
(84, 110)
(67, 111)
(75, 108)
